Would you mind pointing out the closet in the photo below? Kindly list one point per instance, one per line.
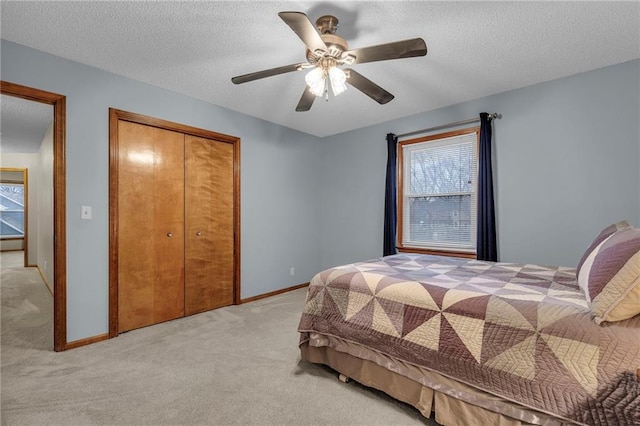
(174, 221)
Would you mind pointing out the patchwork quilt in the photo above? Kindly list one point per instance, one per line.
(521, 332)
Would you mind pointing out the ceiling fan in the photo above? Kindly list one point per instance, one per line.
(327, 52)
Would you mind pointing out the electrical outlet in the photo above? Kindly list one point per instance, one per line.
(292, 271)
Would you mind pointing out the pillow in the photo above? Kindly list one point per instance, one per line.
(610, 277)
(603, 235)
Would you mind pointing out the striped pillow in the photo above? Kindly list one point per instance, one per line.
(603, 235)
(610, 276)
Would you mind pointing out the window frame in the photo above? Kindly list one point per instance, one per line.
(439, 251)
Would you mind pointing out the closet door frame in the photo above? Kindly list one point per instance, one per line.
(115, 116)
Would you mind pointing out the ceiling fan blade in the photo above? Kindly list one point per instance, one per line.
(382, 52)
(306, 100)
(302, 26)
(267, 73)
(368, 87)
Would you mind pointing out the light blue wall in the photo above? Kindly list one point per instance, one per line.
(567, 164)
(279, 179)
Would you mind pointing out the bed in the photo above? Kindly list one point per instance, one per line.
(488, 343)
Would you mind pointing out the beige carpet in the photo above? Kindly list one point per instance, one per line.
(235, 365)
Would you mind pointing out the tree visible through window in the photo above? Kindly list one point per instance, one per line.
(11, 210)
(438, 191)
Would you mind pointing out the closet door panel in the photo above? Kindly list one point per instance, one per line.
(209, 240)
(150, 225)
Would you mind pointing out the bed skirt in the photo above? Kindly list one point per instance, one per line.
(453, 403)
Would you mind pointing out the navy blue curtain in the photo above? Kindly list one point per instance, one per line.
(486, 237)
(390, 213)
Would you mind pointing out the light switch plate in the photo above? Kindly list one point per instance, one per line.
(85, 212)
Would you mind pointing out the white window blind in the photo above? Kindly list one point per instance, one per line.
(439, 193)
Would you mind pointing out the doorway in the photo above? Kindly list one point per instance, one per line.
(59, 202)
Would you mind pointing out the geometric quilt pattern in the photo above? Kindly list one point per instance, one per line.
(521, 331)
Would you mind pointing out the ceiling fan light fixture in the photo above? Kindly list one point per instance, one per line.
(338, 80)
(316, 80)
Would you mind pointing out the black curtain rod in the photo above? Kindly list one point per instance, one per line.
(446, 126)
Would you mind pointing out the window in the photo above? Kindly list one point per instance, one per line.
(11, 210)
(437, 192)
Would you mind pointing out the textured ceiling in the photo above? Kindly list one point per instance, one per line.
(23, 124)
(475, 49)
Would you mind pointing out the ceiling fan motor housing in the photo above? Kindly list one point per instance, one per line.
(336, 45)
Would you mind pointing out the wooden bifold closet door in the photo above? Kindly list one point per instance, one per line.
(209, 225)
(174, 222)
(150, 218)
